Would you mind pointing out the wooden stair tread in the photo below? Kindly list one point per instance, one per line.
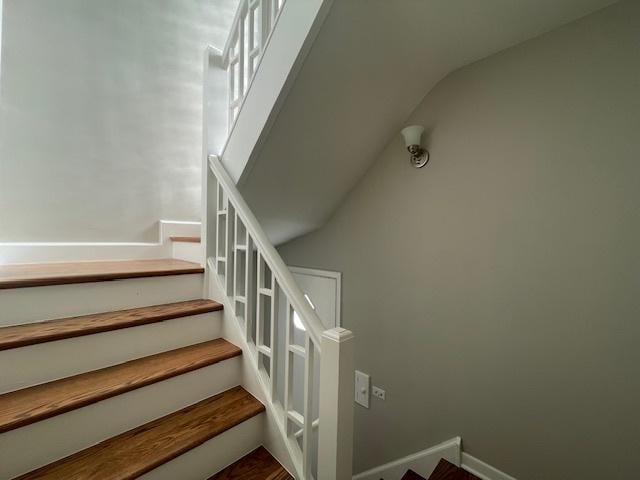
(40, 332)
(186, 239)
(448, 471)
(257, 465)
(43, 274)
(411, 475)
(32, 404)
(144, 448)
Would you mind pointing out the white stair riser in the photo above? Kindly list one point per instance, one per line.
(214, 455)
(26, 366)
(188, 251)
(35, 304)
(35, 445)
(70, 252)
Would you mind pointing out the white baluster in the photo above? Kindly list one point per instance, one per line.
(221, 234)
(258, 325)
(288, 365)
(241, 52)
(265, 22)
(307, 453)
(229, 249)
(250, 269)
(265, 277)
(273, 364)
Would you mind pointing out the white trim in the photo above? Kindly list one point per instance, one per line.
(337, 384)
(255, 383)
(337, 276)
(267, 251)
(338, 334)
(1, 6)
(77, 244)
(36, 252)
(225, 54)
(284, 52)
(482, 470)
(423, 462)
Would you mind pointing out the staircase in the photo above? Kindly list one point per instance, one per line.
(444, 471)
(145, 389)
(162, 368)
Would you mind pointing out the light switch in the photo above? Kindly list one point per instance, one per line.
(363, 383)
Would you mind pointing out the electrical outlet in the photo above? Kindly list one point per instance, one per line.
(363, 383)
(379, 393)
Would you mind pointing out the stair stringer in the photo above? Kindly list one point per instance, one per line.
(274, 438)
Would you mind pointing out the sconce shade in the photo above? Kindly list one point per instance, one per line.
(412, 135)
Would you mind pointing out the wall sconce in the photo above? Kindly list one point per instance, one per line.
(412, 138)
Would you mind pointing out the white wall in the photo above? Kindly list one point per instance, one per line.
(494, 293)
(0, 40)
(101, 115)
(369, 67)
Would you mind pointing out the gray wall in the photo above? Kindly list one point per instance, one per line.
(494, 293)
(101, 115)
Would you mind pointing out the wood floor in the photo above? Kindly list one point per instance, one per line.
(448, 471)
(42, 274)
(186, 239)
(411, 475)
(29, 405)
(40, 332)
(257, 465)
(133, 453)
(444, 471)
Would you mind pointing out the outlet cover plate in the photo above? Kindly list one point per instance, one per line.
(379, 393)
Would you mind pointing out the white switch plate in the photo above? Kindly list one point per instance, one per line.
(379, 393)
(363, 383)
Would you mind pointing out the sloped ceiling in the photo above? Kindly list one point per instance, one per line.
(371, 64)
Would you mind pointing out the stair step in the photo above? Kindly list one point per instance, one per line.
(186, 239)
(40, 332)
(44, 274)
(32, 404)
(448, 471)
(257, 465)
(411, 475)
(144, 448)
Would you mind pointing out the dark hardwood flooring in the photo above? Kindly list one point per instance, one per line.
(32, 404)
(43, 274)
(40, 332)
(257, 465)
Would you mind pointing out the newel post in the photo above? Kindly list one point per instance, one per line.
(335, 448)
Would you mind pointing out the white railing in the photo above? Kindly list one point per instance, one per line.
(250, 30)
(306, 370)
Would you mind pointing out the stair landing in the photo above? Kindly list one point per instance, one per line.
(43, 274)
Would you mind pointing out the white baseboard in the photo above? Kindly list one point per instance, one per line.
(423, 462)
(482, 470)
(36, 252)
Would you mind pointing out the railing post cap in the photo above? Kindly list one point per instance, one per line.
(338, 334)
